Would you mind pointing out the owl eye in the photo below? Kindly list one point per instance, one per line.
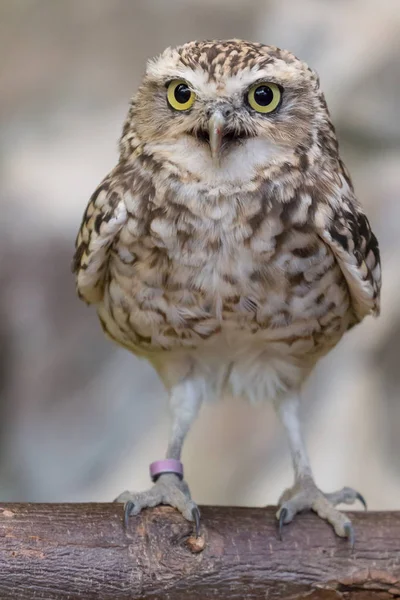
(264, 97)
(179, 95)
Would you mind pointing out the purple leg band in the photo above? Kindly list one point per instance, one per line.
(168, 465)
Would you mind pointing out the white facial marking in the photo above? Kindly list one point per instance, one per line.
(238, 162)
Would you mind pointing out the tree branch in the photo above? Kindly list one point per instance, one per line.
(81, 551)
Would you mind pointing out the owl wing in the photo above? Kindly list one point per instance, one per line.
(344, 227)
(104, 217)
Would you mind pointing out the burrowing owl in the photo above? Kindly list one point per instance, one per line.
(227, 246)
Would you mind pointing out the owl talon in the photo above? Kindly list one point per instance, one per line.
(349, 531)
(282, 517)
(305, 495)
(129, 506)
(196, 519)
(361, 499)
(168, 490)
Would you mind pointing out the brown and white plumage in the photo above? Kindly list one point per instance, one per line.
(237, 273)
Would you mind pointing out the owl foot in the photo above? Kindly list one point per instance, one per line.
(305, 495)
(169, 489)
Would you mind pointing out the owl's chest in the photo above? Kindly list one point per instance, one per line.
(180, 285)
(214, 261)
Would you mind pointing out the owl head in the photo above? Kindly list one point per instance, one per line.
(212, 105)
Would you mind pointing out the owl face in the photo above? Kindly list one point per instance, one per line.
(217, 102)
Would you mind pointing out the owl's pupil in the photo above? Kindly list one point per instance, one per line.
(182, 93)
(263, 95)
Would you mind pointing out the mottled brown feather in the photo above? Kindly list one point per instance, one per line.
(279, 252)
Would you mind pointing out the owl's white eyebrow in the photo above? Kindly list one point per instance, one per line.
(261, 80)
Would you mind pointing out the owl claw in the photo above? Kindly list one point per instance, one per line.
(282, 516)
(129, 506)
(196, 519)
(361, 498)
(349, 531)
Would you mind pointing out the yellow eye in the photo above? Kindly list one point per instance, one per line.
(264, 97)
(179, 95)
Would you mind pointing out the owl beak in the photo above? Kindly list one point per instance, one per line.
(216, 126)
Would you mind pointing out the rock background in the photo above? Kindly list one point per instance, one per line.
(81, 419)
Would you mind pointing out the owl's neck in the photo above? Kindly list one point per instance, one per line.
(164, 186)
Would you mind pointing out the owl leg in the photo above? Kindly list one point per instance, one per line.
(169, 487)
(304, 494)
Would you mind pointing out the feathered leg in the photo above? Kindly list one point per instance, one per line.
(169, 488)
(304, 494)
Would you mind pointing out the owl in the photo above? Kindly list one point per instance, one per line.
(227, 248)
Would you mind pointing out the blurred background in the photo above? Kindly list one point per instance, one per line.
(81, 419)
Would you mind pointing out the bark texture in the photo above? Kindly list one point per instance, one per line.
(82, 551)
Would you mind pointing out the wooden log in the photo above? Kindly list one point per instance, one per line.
(82, 551)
